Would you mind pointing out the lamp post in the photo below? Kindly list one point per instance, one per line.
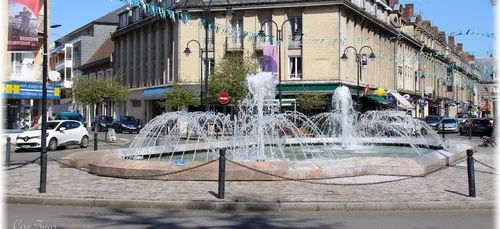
(359, 62)
(206, 18)
(279, 36)
(43, 147)
(437, 94)
(187, 51)
(417, 77)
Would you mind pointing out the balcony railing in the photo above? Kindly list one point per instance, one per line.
(260, 41)
(60, 65)
(23, 72)
(210, 44)
(296, 76)
(295, 41)
(234, 43)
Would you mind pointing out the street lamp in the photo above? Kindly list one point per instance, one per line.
(437, 94)
(187, 51)
(359, 62)
(279, 34)
(418, 78)
(206, 17)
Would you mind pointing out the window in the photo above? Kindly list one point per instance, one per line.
(296, 25)
(68, 52)
(68, 74)
(210, 67)
(369, 6)
(109, 74)
(137, 14)
(136, 103)
(268, 31)
(123, 20)
(100, 74)
(295, 67)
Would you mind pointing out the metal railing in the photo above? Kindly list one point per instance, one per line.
(295, 41)
(260, 41)
(296, 76)
(234, 43)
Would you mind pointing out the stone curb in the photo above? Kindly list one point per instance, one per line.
(256, 206)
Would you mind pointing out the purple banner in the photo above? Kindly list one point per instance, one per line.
(270, 56)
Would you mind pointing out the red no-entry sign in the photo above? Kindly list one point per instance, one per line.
(223, 98)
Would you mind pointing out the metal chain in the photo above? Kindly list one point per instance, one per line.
(143, 176)
(491, 167)
(340, 184)
(22, 165)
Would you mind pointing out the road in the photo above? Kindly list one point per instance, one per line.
(28, 155)
(19, 216)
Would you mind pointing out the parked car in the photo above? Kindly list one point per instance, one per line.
(70, 116)
(450, 125)
(461, 118)
(59, 133)
(481, 127)
(103, 122)
(432, 121)
(126, 124)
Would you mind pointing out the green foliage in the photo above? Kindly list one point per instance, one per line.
(309, 101)
(95, 90)
(181, 96)
(229, 76)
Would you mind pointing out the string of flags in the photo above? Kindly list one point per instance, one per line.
(159, 11)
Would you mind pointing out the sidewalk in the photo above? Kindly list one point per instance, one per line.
(445, 189)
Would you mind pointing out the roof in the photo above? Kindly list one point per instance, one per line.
(104, 51)
(223, 3)
(110, 18)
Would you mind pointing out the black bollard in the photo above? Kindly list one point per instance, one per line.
(7, 152)
(95, 140)
(222, 172)
(442, 129)
(106, 134)
(470, 173)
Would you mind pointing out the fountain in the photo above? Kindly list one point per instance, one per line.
(331, 144)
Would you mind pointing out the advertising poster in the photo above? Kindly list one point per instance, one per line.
(23, 25)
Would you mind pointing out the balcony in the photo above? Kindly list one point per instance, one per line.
(234, 44)
(59, 65)
(23, 71)
(295, 42)
(259, 42)
(210, 44)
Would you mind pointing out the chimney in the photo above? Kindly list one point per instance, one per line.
(408, 11)
(392, 3)
(451, 42)
(434, 30)
(426, 24)
(470, 58)
(442, 37)
(459, 48)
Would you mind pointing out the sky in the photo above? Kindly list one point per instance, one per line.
(449, 15)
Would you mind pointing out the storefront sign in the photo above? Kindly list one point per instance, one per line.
(23, 25)
(21, 90)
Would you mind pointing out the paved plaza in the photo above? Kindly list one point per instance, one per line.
(449, 184)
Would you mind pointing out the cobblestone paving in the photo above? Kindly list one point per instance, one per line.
(449, 184)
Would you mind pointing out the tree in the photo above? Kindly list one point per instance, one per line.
(97, 90)
(229, 76)
(181, 96)
(310, 101)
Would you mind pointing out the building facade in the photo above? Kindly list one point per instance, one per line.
(74, 50)
(413, 57)
(144, 56)
(22, 79)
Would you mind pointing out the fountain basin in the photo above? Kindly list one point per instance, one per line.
(106, 163)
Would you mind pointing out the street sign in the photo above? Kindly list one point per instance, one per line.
(178, 163)
(223, 98)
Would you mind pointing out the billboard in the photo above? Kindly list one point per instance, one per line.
(23, 25)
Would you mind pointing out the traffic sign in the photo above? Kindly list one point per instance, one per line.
(223, 98)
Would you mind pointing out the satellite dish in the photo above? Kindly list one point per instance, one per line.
(54, 76)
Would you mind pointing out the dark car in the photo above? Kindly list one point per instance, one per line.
(432, 121)
(481, 127)
(103, 122)
(126, 124)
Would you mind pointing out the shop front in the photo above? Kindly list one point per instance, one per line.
(23, 103)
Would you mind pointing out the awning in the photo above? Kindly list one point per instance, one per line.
(404, 103)
(377, 99)
(159, 93)
(155, 93)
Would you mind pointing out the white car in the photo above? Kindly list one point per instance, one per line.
(59, 133)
